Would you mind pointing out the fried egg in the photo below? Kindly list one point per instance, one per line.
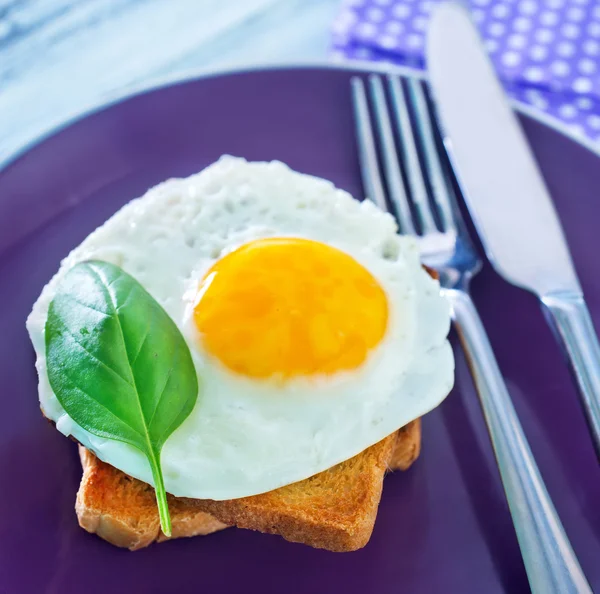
(314, 330)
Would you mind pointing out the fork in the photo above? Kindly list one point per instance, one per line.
(425, 206)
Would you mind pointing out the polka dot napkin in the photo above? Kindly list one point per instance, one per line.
(547, 52)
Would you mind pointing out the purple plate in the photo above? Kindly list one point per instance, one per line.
(444, 525)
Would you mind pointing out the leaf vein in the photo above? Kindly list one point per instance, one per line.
(88, 306)
(101, 404)
(93, 356)
(106, 285)
(142, 343)
(162, 391)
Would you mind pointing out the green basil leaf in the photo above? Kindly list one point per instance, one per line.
(118, 363)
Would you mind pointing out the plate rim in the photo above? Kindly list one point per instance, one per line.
(197, 74)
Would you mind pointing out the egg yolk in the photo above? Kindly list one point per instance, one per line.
(290, 307)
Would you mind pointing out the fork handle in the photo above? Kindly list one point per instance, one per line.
(550, 562)
(570, 318)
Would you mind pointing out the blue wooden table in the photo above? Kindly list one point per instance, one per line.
(58, 57)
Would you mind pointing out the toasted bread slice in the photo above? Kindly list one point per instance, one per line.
(334, 510)
(122, 510)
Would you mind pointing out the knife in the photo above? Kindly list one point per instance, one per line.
(506, 195)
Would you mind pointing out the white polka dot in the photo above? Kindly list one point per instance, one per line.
(511, 59)
(594, 29)
(586, 66)
(426, 6)
(534, 74)
(420, 23)
(401, 11)
(582, 2)
(560, 68)
(394, 27)
(517, 41)
(567, 111)
(544, 35)
(570, 31)
(375, 14)
(538, 52)
(414, 40)
(491, 45)
(481, 2)
(548, 18)
(576, 14)
(596, 12)
(594, 122)
(497, 29)
(388, 41)
(345, 21)
(528, 6)
(565, 49)
(582, 85)
(522, 24)
(500, 11)
(383, 2)
(355, 2)
(348, 17)
(591, 47)
(478, 15)
(584, 103)
(555, 3)
(536, 99)
(366, 30)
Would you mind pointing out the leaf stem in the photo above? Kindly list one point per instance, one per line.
(159, 488)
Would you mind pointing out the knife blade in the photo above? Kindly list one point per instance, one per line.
(506, 194)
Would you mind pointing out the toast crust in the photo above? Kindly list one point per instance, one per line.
(333, 510)
(408, 446)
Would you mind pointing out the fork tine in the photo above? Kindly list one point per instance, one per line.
(369, 166)
(395, 183)
(418, 190)
(439, 185)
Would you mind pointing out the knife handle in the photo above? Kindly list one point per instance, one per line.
(551, 564)
(571, 321)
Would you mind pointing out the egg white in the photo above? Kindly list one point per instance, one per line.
(246, 436)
